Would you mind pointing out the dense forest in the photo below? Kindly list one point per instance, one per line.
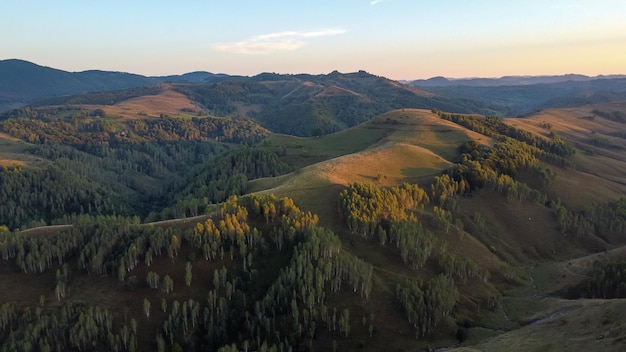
(103, 167)
(231, 314)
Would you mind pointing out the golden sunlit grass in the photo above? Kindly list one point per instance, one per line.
(599, 173)
(423, 128)
(10, 162)
(408, 145)
(168, 102)
(13, 152)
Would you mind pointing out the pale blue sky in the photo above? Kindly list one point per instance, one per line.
(399, 39)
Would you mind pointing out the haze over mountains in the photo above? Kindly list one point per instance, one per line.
(23, 83)
(440, 81)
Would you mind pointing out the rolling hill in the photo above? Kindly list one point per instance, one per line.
(322, 103)
(23, 83)
(271, 240)
(517, 96)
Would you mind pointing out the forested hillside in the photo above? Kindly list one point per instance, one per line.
(106, 166)
(306, 105)
(23, 83)
(411, 230)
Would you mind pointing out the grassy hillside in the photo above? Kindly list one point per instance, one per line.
(322, 104)
(401, 146)
(599, 166)
(487, 222)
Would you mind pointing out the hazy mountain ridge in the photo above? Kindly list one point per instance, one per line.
(300, 104)
(515, 100)
(324, 102)
(440, 81)
(23, 82)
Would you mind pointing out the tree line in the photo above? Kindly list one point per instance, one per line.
(90, 131)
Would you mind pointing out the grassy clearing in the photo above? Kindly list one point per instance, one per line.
(168, 102)
(587, 325)
(517, 232)
(424, 129)
(317, 186)
(565, 275)
(415, 127)
(604, 168)
(15, 152)
(408, 145)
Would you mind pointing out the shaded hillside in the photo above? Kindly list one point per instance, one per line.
(65, 162)
(306, 104)
(504, 81)
(23, 82)
(520, 99)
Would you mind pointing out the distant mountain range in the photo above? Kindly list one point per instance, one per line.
(517, 95)
(333, 101)
(440, 81)
(23, 82)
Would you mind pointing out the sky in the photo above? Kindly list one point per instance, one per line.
(398, 39)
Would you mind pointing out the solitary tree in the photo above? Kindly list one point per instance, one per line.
(188, 274)
(146, 307)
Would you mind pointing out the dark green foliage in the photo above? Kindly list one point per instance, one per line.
(596, 219)
(87, 132)
(101, 98)
(607, 217)
(426, 302)
(607, 279)
(71, 326)
(103, 181)
(106, 167)
(52, 193)
(285, 311)
(604, 143)
(461, 267)
(555, 150)
(297, 104)
(223, 177)
(616, 116)
(389, 213)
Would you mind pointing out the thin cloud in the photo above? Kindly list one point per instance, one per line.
(280, 41)
(374, 2)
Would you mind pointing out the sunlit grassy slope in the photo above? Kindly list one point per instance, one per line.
(414, 146)
(406, 145)
(599, 171)
(13, 153)
(167, 102)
